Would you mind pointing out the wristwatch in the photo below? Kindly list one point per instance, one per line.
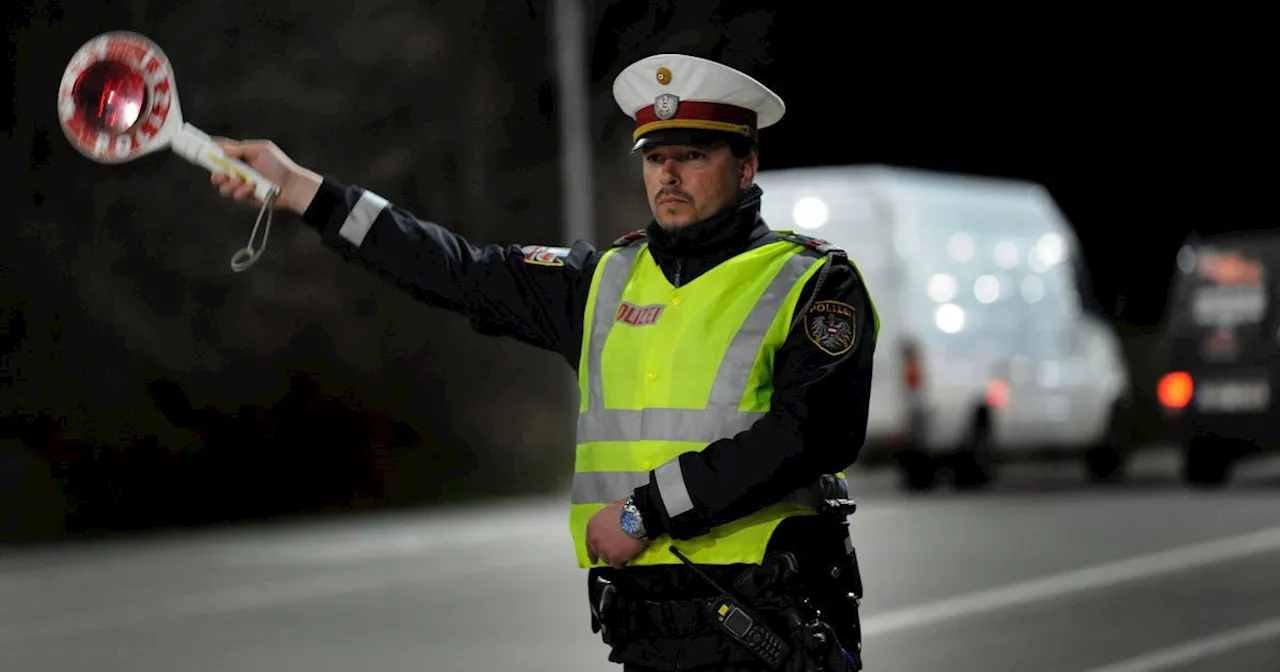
(632, 521)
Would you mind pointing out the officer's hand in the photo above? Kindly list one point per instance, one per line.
(606, 541)
(297, 184)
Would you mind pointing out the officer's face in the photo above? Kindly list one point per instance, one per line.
(687, 184)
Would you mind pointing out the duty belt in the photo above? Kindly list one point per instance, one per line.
(616, 610)
(676, 618)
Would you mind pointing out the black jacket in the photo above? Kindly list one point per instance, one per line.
(818, 417)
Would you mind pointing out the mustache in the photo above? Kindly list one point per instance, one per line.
(666, 192)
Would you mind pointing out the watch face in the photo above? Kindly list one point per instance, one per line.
(629, 523)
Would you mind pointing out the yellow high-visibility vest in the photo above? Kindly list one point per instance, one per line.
(666, 370)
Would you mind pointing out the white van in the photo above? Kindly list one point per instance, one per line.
(985, 353)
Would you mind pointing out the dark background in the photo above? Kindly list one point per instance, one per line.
(143, 384)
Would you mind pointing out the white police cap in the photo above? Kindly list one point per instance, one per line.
(675, 92)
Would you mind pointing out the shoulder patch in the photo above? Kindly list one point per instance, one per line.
(832, 326)
(632, 237)
(541, 255)
(816, 244)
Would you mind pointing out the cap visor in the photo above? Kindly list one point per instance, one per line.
(682, 136)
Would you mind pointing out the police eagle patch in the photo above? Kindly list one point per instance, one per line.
(831, 326)
(541, 255)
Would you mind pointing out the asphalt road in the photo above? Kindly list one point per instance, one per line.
(1040, 574)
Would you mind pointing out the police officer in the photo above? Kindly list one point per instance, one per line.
(724, 370)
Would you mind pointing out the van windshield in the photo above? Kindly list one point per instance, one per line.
(1002, 283)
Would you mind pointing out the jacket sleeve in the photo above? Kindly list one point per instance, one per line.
(816, 425)
(535, 294)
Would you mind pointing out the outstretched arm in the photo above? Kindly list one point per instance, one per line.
(534, 294)
(530, 293)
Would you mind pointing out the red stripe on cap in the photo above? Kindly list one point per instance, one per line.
(693, 110)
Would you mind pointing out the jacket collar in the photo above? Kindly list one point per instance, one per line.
(730, 230)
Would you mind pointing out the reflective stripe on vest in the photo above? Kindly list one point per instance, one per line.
(624, 439)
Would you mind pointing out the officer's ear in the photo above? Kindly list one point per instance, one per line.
(747, 167)
(745, 152)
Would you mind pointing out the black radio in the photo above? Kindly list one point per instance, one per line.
(750, 632)
(741, 624)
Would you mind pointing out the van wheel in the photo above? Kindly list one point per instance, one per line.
(973, 466)
(1106, 463)
(918, 470)
(971, 470)
(1207, 462)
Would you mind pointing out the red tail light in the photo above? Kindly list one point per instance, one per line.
(1175, 389)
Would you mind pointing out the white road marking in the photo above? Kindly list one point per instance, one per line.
(1074, 581)
(1198, 649)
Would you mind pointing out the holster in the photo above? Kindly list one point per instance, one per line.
(829, 586)
(823, 617)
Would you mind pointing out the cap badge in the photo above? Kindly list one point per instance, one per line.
(663, 76)
(665, 106)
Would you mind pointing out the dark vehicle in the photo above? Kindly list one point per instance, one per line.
(1221, 352)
